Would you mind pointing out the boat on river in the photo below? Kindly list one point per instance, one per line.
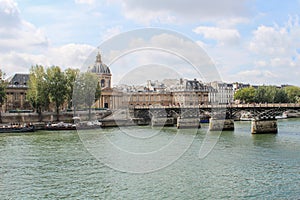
(17, 129)
(88, 125)
(292, 114)
(246, 116)
(60, 126)
(283, 116)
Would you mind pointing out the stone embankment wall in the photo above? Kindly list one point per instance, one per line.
(49, 117)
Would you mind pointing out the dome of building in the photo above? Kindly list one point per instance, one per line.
(99, 67)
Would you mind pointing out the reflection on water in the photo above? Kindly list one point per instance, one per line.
(264, 140)
(56, 165)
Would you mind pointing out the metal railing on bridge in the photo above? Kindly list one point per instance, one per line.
(256, 105)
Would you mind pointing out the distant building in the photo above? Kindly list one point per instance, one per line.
(103, 72)
(224, 92)
(237, 86)
(167, 93)
(16, 93)
(155, 86)
(190, 93)
(286, 85)
(104, 75)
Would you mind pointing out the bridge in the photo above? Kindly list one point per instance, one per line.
(222, 116)
(232, 111)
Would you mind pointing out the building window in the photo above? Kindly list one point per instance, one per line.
(102, 83)
(16, 96)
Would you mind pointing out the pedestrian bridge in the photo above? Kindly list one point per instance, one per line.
(221, 116)
(229, 111)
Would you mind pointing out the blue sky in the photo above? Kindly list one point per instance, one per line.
(250, 41)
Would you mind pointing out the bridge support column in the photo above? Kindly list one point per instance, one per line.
(162, 121)
(190, 122)
(264, 126)
(221, 124)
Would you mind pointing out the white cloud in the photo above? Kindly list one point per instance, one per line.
(89, 2)
(271, 55)
(275, 40)
(260, 63)
(257, 74)
(67, 56)
(70, 55)
(9, 13)
(110, 32)
(177, 53)
(222, 35)
(277, 49)
(18, 34)
(232, 22)
(167, 11)
(23, 45)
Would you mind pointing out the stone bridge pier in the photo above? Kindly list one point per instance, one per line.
(189, 118)
(221, 120)
(264, 121)
(264, 125)
(161, 118)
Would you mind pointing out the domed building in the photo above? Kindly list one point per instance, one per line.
(109, 98)
(103, 72)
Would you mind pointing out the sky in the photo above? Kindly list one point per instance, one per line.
(249, 41)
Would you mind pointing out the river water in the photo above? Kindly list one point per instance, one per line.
(61, 165)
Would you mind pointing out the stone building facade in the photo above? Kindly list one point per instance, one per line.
(16, 93)
(188, 93)
(104, 75)
(225, 92)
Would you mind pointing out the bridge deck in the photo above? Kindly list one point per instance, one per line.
(241, 106)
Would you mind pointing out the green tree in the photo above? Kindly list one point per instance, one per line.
(78, 92)
(293, 93)
(3, 85)
(245, 95)
(90, 81)
(71, 75)
(261, 95)
(270, 93)
(98, 92)
(266, 94)
(57, 87)
(37, 94)
(281, 96)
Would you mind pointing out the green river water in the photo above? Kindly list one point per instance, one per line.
(64, 165)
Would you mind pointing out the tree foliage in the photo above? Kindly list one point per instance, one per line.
(245, 95)
(70, 88)
(265, 94)
(293, 93)
(70, 75)
(281, 96)
(37, 94)
(98, 91)
(268, 94)
(78, 92)
(90, 82)
(87, 91)
(3, 86)
(57, 87)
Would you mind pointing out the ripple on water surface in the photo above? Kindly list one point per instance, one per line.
(56, 165)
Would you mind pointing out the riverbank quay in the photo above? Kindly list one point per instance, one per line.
(45, 117)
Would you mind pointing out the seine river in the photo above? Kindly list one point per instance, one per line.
(60, 165)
